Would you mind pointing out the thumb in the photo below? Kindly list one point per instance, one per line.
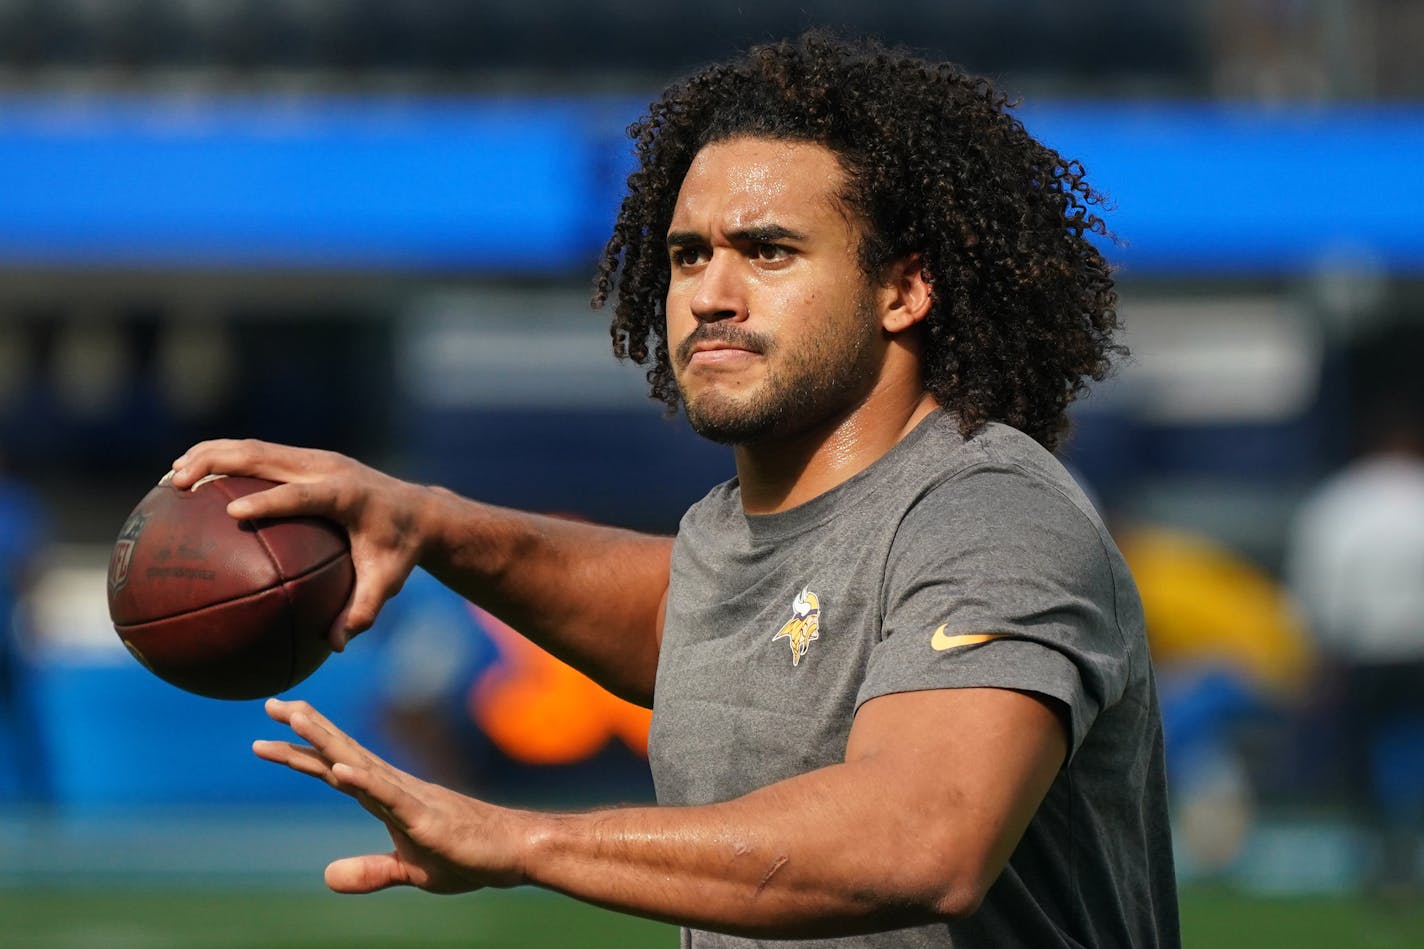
(376, 871)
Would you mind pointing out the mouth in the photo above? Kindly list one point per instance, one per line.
(718, 347)
(715, 357)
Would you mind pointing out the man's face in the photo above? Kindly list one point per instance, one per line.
(771, 323)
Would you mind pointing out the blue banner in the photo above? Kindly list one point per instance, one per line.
(529, 185)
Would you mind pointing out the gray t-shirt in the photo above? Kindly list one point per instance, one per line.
(779, 626)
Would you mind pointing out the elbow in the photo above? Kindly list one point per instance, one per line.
(953, 889)
(958, 900)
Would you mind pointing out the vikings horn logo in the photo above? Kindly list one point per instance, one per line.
(804, 625)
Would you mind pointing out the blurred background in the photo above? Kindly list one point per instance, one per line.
(371, 226)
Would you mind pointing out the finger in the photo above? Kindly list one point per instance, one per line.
(358, 615)
(285, 500)
(320, 733)
(309, 724)
(328, 744)
(381, 790)
(360, 611)
(229, 456)
(233, 456)
(297, 757)
(196, 462)
(377, 871)
(326, 740)
(281, 710)
(338, 635)
(341, 633)
(375, 585)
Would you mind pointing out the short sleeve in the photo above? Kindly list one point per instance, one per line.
(1000, 577)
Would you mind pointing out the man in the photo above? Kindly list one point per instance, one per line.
(1355, 563)
(900, 686)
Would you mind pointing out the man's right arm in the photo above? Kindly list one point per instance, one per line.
(591, 595)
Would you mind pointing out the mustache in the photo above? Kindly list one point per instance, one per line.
(721, 333)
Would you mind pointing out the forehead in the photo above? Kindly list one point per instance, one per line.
(742, 182)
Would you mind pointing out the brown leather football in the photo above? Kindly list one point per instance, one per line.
(226, 608)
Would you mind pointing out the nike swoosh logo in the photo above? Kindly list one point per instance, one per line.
(942, 641)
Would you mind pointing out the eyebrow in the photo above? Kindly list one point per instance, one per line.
(760, 234)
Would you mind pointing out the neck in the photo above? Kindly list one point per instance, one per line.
(778, 475)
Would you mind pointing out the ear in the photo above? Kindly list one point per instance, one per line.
(906, 295)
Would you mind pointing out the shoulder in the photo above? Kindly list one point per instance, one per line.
(715, 506)
(1005, 510)
(1003, 544)
(1007, 478)
(712, 530)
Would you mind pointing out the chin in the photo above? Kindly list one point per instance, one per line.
(730, 423)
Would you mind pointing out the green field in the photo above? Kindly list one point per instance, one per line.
(241, 917)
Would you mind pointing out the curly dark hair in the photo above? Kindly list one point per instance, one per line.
(1023, 310)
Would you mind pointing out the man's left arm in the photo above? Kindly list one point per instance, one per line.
(936, 789)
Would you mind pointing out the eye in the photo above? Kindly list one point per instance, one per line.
(771, 252)
(686, 256)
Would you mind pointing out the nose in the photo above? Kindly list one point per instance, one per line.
(720, 291)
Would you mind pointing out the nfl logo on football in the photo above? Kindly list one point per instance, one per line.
(123, 551)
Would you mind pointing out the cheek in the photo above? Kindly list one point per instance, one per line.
(677, 306)
(679, 323)
(788, 302)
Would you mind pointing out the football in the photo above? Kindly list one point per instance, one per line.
(226, 608)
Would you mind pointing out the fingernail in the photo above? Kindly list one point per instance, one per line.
(239, 508)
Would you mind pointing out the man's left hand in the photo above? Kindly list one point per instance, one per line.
(444, 842)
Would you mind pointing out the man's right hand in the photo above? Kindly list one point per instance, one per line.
(593, 596)
(383, 515)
